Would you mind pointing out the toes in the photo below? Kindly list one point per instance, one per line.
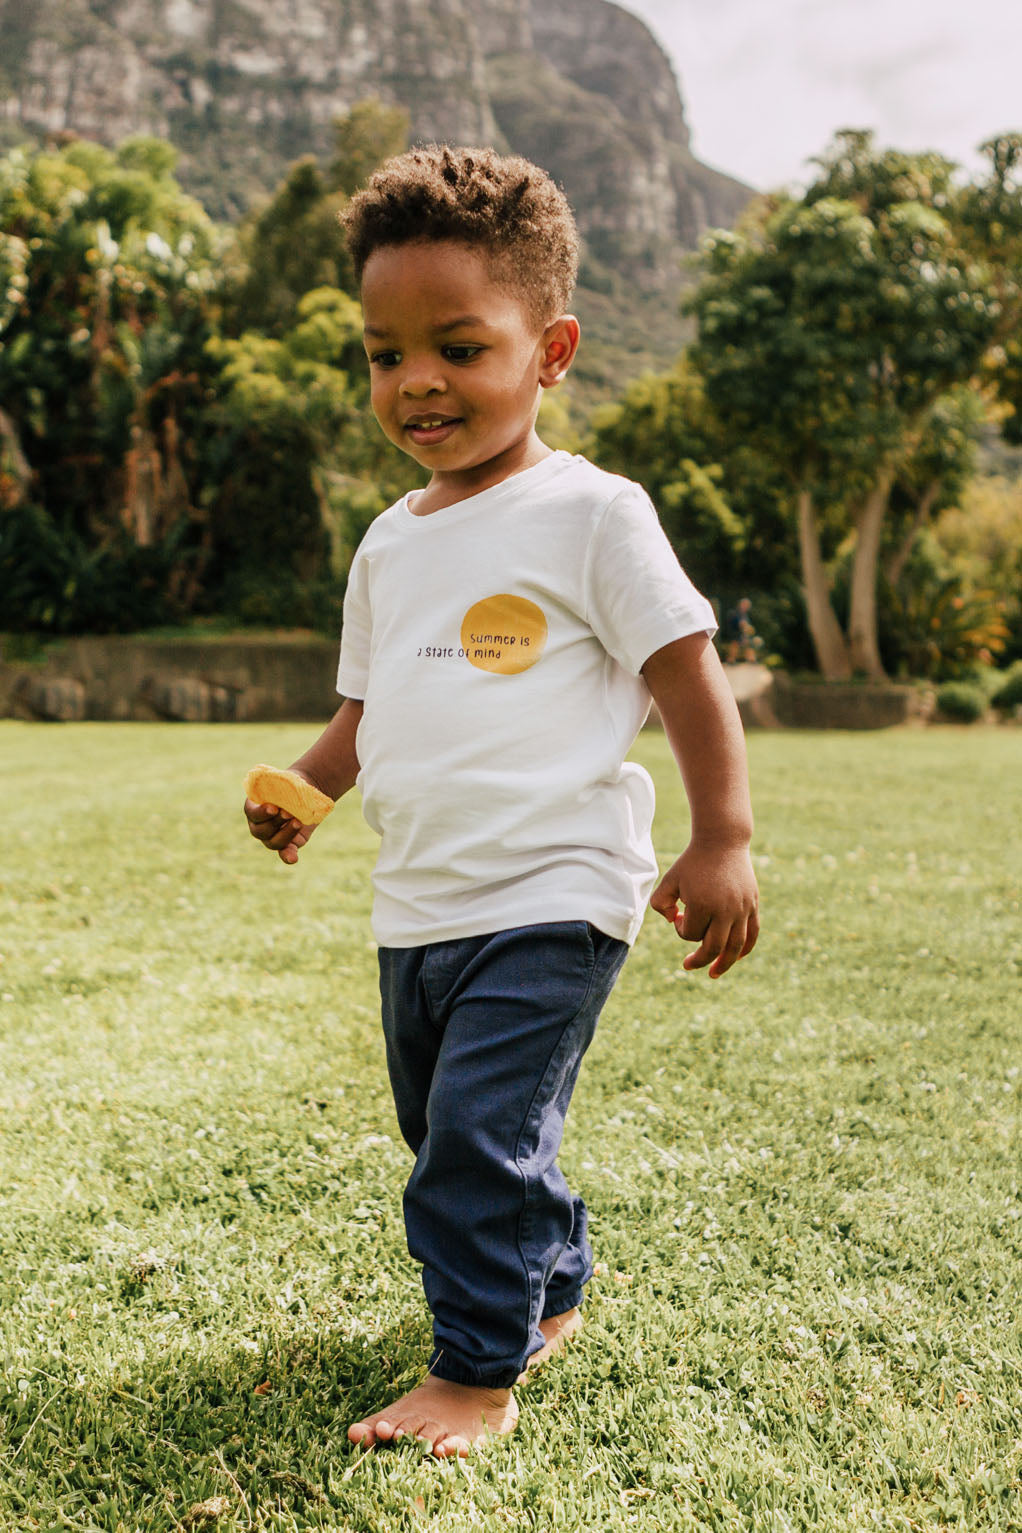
(449, 1434)
(430, 1432)
(452, 1446)
(390, 1431)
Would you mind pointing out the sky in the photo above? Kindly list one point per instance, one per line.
(766, 83)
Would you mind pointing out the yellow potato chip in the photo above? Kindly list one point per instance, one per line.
(271, 785)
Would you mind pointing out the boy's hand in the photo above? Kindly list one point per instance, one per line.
(721, 905)
(331, 765)
(278, 831)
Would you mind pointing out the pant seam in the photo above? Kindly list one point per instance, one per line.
(534, 1307)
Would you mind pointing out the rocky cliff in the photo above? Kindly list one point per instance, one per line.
(243, 87)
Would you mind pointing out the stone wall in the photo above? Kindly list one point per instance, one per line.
(845, 705)
(273, 678)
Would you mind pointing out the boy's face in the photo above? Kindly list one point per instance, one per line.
(457, 363)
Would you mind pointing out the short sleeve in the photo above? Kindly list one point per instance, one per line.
(356, 631)
(638, 598)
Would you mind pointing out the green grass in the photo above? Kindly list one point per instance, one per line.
(804, 1180)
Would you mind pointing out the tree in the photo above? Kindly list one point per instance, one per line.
(934, 477)
(717, 500)
(980, 538)
(937, 313)
(180, 430)
(829, 327)
(109, 273)
(290, 247)
(369, 134)
(990, 213)
(295, 243)
(279, 406)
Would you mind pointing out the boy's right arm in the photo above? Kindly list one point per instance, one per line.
(331, 765)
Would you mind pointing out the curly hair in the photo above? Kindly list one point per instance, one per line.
(501, 204)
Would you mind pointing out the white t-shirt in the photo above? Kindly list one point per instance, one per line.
(497, 645)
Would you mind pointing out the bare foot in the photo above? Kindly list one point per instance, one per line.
(450, 1417)
(556, 1330)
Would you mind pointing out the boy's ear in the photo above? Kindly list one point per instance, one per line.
(560, 343)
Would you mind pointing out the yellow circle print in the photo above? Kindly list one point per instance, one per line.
(503, 634)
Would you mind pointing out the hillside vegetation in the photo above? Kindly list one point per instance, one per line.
(185, 431)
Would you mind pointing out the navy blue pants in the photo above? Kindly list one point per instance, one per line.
(485, 1036)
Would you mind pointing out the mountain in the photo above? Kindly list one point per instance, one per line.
(245, 87)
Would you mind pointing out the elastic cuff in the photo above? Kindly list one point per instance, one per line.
(443, 1366)
(562, 1302)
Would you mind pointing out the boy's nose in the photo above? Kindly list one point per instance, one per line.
(419, 382)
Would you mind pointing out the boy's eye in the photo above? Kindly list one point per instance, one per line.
(384, 358)
(461, 351)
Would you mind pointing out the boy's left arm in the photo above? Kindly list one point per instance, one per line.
(712, 879)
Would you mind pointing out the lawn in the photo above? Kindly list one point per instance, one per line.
(804, 1180)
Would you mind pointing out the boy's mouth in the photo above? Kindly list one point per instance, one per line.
(427, 430)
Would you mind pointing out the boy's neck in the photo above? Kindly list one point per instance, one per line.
(446, 490)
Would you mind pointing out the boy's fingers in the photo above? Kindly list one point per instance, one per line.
(272, 827)
(283, 835)
(697, 924)
(277, 831)
(664, 900)
(289, 853)
(265, 831)
(260, 816)
(733, 949)
(709, 949)
(737, 943)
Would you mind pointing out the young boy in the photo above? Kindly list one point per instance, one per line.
(504, 630)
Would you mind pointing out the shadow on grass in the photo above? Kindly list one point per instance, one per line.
(217, 1436)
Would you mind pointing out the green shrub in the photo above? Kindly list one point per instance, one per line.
(1009, 694)
(987, 677)
(257, 599)
(932, 626)
(963, 702)
(54, 582)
